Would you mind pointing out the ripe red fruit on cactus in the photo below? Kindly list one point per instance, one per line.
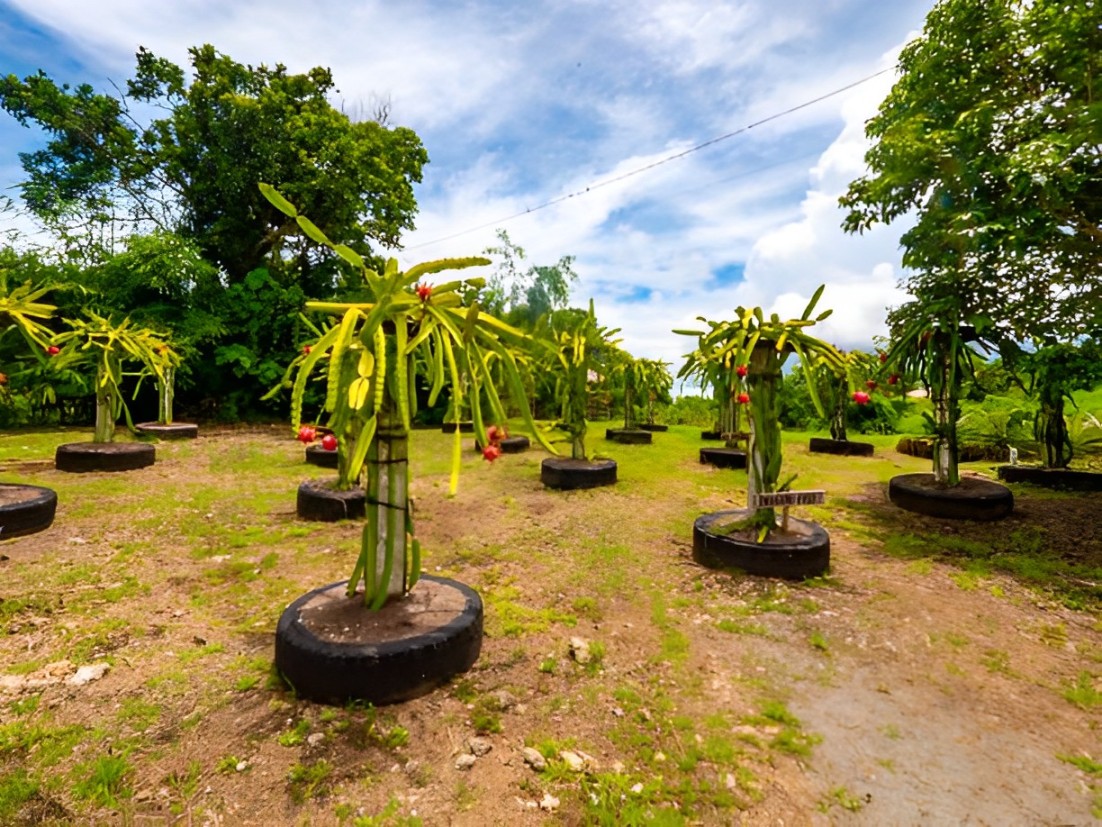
(495, 434)
(870, 384)
(861, 398)
(3, 379)
(306, 434)
(53, 350)
(744, 399)
(306, 348)
(423, 291)
(741, 370)
(329, 442)
(893, 379)
(491, 452)
(883, 357)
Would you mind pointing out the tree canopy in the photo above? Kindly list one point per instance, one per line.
(193, 165)
(992, 136)
(526, 295)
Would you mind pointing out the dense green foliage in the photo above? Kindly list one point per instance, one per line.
(194, 170)
(152, 189)
(991, 137)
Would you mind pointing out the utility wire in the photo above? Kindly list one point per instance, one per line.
(639, 170)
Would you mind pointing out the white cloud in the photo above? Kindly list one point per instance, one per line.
(519, 104)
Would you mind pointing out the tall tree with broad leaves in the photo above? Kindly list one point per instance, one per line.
(186, 155)
(992, 137)
(526, 295)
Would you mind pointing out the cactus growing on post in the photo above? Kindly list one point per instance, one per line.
(370, 380)
(751, 351)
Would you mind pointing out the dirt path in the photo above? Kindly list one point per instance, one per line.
(900, 690)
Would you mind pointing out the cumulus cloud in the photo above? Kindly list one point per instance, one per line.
(522, 104)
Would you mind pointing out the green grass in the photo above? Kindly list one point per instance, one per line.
(103, 780)
(1082, 691)
(16, 789)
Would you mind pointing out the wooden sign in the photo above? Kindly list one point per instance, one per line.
(787, 499)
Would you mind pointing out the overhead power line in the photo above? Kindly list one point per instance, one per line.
(647, 167)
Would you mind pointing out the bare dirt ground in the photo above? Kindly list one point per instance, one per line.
(905, 688)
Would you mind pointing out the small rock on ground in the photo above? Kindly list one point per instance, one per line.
(465, 762)
(533, 759)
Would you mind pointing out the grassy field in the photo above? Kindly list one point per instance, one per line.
(708, 696)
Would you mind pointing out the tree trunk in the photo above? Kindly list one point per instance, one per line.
(838, 415)
(166, 395)
(764, 464)
(384, 546)
(1054, 432)
(629, 405)
(946, 412)
(105, 409)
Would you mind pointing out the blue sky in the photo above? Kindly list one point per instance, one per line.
(520, 104)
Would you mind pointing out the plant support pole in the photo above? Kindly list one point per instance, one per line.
(105, 406)
(167, 392)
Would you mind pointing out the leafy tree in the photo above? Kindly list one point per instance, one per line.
(526, 294)
(934, 342)
(1055, 372)
(652, 384)
(713, 363)
(194, 170)
(992, 138)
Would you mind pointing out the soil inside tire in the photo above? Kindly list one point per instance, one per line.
(25, 509)
(566, 473)
(331, 648)
(973, 498)
(81, 457)
(802, 551)
(320, 500)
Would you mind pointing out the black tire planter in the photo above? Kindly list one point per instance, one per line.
(510, 445)
(972, 499)
(174, 430)
(464, 427)
(318, 500)
(711, 435)
(803, 552)
(842, 447)
(316, 455)
(568, 474)
(25, 509)
(82, 457)
(629, 436)
(654, 427)
(403, 651)
(1059, 478)
(723, 457)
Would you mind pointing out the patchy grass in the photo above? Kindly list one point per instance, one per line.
(174, 578)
